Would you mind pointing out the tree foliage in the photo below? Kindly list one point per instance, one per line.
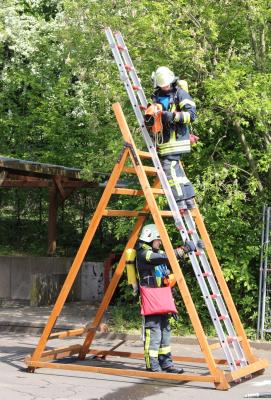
(59, 80)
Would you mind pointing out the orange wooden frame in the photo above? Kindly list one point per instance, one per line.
(221, 379)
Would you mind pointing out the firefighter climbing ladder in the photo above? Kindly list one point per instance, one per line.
(240, 360)
(264, 305)
(132, 84)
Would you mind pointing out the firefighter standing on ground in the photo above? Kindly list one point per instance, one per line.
(152, 265)
(178, 112)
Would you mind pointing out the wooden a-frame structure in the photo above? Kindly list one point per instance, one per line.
(47, 359)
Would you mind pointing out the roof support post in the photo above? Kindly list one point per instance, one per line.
(52, 218)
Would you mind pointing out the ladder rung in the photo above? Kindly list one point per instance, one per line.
(120, 47)
(136, 192)
(148, 170)
(144, 154)
(128, 67)
(215, 346)
(166, 213)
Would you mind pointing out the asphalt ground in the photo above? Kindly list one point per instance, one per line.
(19, 334)
(50, 384)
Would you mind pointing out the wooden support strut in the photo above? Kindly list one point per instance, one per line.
(218, 376)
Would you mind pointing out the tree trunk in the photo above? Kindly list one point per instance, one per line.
(249, 156)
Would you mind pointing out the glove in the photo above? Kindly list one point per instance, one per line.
(167, 117)
(175, 316)
(189, 246)
(179, 252)
(200, 244)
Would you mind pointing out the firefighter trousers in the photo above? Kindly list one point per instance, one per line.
(157, 349)
(182, 188)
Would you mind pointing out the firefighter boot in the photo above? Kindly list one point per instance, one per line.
(174, 370)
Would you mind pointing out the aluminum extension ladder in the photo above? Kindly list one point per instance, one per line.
(184, 223)
(264, 305)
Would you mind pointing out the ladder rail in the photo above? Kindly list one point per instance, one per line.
(259, 321)
(133, 73)
(121, 59)
(265, 267)
(216, 291)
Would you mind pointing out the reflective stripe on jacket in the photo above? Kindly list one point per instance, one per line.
(176, 133)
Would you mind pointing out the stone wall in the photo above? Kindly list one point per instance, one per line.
(39, 279)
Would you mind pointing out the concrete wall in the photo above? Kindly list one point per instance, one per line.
(19, 274)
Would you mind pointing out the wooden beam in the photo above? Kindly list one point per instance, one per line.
(144, 154)
(127, 354)
(57, 181)
(45, 183)
(149, 170)
(68, 333)
(3, 175)
(132, 213)
(52, 219)
(136, 192)
(58, 353)
(38, 168)
(248, 370)
(122, 372)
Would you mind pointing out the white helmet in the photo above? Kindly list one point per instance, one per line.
(163, 76)
(149, 233)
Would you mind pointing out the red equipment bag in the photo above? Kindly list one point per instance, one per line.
(156, 301)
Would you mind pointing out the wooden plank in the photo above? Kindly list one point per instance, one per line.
(126, 354)
(123, 372)
(68, 333)
(149, 170)
(3, 176)
(10, 183)
(40, 168)
(58, 353)
(133, 213)
(45, 183)
(124, 213)
(249, 369)
(136, 192)
(57, 180)
(67, 351)
(144, 154)
(52, 218)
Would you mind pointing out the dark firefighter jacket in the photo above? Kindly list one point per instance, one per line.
(181, 112)
(147, 259)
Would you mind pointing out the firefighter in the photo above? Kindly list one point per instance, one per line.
(152, 265)
(178, 112)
